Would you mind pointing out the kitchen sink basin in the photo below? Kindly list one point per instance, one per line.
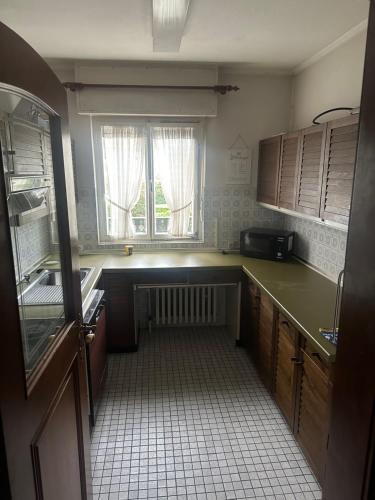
(47, 287)
(53, 277)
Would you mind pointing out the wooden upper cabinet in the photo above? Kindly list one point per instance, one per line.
(339, 163)
(310, 170)
(268, 170)
(288, 170)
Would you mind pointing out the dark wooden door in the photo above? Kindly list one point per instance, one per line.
(339, 160)
(288, 170)
(43, 394)
(352, 439)
(310, 170)
(268, 170)
(285, 367)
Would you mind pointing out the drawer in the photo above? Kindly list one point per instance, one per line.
(122, 280)
(286, 326)
(316, 358)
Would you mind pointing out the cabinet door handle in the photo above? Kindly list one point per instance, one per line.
(285, 323)
(296, 361)
(316, 355)
(336, 318)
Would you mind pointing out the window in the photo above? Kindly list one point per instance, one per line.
(148, 180)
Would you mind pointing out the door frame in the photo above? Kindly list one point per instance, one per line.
(351, 444)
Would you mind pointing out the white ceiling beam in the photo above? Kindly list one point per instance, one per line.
(168, 24)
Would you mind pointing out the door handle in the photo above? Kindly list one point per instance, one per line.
(87, 329)
(296, 361)
(89, 338)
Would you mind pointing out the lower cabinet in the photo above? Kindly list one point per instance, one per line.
(264, 357)
(299, 379)
(312, 418)
(285, 370)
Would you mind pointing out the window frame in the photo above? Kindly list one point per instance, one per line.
(96, 122)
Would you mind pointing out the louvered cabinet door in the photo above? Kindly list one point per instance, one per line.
(285, 368)
(339, 163)
(268, 170)
(313, 414)
(288, 170)
(28, 145)
(310, 171)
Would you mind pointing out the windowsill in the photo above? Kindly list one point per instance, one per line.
(162, 241)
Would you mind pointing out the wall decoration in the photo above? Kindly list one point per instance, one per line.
(238, 163)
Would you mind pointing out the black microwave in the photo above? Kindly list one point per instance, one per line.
(264, 243)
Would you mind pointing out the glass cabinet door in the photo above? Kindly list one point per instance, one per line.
(28, 172)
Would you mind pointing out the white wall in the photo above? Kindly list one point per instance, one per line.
(335, 80)
(258, 110)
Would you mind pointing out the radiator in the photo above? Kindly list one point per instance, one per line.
(185, 305)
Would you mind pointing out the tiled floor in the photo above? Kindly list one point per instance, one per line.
(187, 418)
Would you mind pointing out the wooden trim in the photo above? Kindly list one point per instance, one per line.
(349, 468)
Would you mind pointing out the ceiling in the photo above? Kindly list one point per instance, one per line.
(265, 33)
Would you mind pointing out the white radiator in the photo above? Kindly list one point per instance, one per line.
(181, 304)
(185, 305)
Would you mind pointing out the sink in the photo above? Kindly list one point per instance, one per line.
(53, 277)
(47, 288)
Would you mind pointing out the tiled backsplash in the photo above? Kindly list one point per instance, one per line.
(227, 210)
(33, 244)
(322, 246)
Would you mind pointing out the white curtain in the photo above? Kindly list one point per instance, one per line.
(124, 151)
(174, 158)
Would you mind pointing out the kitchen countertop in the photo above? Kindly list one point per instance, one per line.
(306, 297)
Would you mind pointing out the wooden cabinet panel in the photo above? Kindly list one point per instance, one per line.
(285, 367)
(339, 163)
(313, 414)
(55, 452)
(249, 316)
(265, 340)
(214, 276)
(268, 170)
(120, 312)
(97, 358)
(310, 170)
(288, 170)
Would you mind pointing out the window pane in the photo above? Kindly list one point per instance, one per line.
(139, 212)
(29, 179)
(175, 169)
(124, 159)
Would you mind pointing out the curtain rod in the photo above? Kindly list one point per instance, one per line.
(219, 89)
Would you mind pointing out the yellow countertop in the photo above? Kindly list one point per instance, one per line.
(306, 297)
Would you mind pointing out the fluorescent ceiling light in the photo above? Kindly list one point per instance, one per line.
(169, 18)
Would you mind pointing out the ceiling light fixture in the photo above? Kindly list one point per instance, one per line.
(169, 18)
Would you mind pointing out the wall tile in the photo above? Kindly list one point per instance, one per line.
(321, 246)
(227, 211)
(32, 245)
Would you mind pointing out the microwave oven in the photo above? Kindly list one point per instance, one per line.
(265, 243)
